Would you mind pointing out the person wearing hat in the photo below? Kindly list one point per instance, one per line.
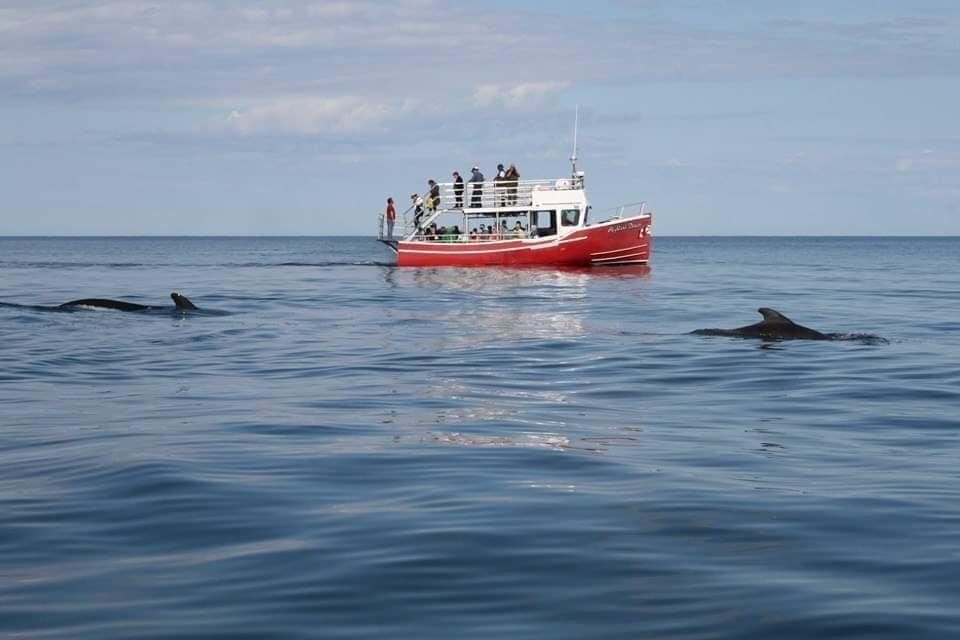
(458, 190)
(476, 197)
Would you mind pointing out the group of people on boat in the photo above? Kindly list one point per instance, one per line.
(453, 234)
(505, 194)
(488, 232)
(504, 186)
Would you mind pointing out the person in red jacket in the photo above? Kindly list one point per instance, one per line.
(391, 218)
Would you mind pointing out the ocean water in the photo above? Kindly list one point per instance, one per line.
(344, 449)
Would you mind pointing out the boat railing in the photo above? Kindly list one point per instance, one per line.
(461, 238)
(635, 209)
(492, 194)
(486, 195)
(403, 225)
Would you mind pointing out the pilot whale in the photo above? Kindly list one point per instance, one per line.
(180, 302)
(776, 326)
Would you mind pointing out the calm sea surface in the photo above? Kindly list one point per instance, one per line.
(345, 449)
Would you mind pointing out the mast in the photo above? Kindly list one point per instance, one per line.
(576, 125)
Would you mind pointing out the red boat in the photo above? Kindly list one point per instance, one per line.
(524, 222)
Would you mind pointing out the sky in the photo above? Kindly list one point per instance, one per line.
(300, 117)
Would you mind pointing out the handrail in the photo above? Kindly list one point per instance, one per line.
(465, 236)
(621, 208)
(489, 194)
(496, 193)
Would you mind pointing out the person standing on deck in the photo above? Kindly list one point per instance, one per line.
(510, 179)
(433, 202)
(476, 197)
(391, 218)
(458, 190)
(499, 186)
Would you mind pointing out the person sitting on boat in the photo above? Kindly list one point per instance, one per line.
(473, 234)
(490, 235)
(476, 197)
(433, 200)
(518, 230)
(454, 235)
(510, 180)
(457, 190)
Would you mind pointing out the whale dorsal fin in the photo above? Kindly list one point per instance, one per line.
(181, 302)
(772, 315)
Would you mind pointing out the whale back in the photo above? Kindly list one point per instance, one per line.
(774, 326)
(103, 303)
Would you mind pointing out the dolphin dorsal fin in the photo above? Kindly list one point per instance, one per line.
(772, 315)
(181, 302)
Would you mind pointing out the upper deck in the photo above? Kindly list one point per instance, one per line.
(494, 195)
(492, 199)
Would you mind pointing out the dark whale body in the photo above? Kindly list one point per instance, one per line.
(103, 303)
(181, 306)
(180, 302)
(776, 326)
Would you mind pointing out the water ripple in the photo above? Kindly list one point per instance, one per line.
(356, 450)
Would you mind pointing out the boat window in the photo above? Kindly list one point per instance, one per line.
(570, 217)
(546, 222)
(586, 216)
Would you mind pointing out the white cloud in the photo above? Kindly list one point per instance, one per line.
(317, 115)
(115, 50)
(335, 9)
(929, 160)
(944, 194)
(518, 96)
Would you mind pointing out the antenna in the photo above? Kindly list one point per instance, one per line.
(576, 125)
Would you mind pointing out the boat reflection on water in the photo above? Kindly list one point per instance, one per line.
(537, 316)
(529, 440)
(623, 272)
(541, 282)
(505, 324)
(497, 305)
(528, 277)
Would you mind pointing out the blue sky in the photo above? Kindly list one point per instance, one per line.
(302, 116)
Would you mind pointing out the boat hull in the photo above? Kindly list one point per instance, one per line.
(615, 242)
